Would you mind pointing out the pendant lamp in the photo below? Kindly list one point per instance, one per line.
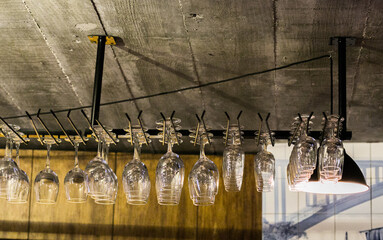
(352, 181)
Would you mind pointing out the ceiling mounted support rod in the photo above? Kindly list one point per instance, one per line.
(98, 80)
(342, 88)
(342, 43)
(101, 42)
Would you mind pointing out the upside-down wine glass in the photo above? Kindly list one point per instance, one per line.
(76, 180)
(9, 171)
(306, 153)
(111, 187)
(233, 160)
(331, 152)
(264, 166)
(170, 169)
(135, 177)
(303, 156)
(101, 177)
(203, 178)
(47, 181)
(20, 193)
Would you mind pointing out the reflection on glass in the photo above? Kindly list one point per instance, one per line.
(20, 192)
(47, 182)
(170, 173)
(203, 179)
(331, 152)
(264, 167)
(233, 161)
(135, 179)
(76, 181)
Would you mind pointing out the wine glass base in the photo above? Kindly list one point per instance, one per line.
(17, 201)
(76, 200)
(136, 202)
(228, 189)
(203, 201)
(168, 203)
(104, 201)
(46, 201)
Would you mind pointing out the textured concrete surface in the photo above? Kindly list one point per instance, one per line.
(46, 60)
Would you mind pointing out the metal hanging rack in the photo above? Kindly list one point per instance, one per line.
(102, 41)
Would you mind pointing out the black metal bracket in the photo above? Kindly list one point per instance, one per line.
(97, 86)
(342, 43)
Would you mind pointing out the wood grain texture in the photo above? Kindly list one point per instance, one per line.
(65, 220)
(234, 215)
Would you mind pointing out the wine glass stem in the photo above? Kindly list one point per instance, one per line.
(99, 148)
(170, 146)
(48, 162)
(76, 165)
(264, 146)
(202, 149)
(137, 151)
(106, 152)
(17, 145)
(8, 147)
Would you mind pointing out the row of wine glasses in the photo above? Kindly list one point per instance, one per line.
(100, 182)
(303, 156)
(14, 182)
(306, 156)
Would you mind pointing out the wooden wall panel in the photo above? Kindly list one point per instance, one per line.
(65, 220)
(234, 215)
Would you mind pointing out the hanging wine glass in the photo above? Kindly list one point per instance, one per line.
(303, 156)
(100, 176)
(204, 177)
(20, 193)
(76, 180)
(47, 182)
(111, 186)
(233, 160)
(135, 177)
(306, 153)
(331, 152)
(264, 166)
(9, 171)
(170, 169)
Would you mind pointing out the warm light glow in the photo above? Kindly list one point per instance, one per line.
(337, 188)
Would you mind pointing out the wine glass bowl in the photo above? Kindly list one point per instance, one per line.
(98, 176)
(76, 186)
(264, 166)
(46, 183)
(331, 152)
(233, 168)
(170, 169)
(136, 182)
(9, 170)
(46, 186)
(203, 179)
(203, 182)
(102, 181)
(170, 173)
(19, 193)
(233, 159)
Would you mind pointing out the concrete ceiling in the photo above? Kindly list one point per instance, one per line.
(47, 61)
